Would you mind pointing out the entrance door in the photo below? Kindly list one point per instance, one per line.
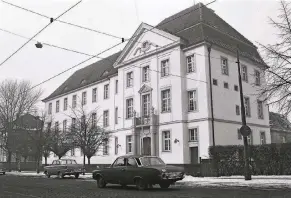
(146, 146)
(194, 155)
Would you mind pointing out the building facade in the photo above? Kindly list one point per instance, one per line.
(154, 95)
(280, 128)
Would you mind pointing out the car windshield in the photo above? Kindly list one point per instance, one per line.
(71, 162)
(149, 161)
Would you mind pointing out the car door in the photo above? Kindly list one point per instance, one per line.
(132, 170)
(50, 169)
(116, 171)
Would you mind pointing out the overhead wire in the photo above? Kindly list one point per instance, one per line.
(112, 48)
(38, 33)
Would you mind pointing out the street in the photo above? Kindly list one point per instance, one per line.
(36, 187)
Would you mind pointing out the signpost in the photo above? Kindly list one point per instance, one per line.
(244, 130)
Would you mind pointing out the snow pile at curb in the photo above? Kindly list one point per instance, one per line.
(238, 181)
(41, 174)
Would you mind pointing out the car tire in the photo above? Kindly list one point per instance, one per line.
(164, 185)
(61, 175)
(77, 176)
(3, 173)
(101, 182)
(123, 185)
(141, 184)
(47, 175)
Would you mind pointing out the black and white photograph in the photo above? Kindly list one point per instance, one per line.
(145, 98)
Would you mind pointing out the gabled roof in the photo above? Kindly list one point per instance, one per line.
(87, 75)
(199, 23)
(279, 122)
(194, 25)
(28, 121)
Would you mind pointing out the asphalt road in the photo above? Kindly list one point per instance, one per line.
(35, 187)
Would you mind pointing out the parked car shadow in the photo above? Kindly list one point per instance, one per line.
(155, 188)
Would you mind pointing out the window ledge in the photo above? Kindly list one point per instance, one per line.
(163, 112)
(193, 111)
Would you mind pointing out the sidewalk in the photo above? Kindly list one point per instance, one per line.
(41, 174)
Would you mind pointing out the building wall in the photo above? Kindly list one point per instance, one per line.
(277, 136)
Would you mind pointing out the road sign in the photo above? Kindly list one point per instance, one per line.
(245, 130)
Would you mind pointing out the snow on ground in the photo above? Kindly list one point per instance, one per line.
(270, 181)
(41, 174)
(276, 181)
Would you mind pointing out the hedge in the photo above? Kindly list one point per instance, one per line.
(267, 159)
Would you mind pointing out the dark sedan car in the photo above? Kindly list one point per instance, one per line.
(142, 171)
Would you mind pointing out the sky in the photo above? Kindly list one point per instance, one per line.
(117, 17)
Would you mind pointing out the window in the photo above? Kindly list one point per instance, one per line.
(166, 100)
(64, 125)
(129, 79)
(119, 162)
(193, 134)
(146, 105)
(250, 139)
(262, 137)
(192, 100)
(73, 152)
(49, 125)
(106, 118)
(131, 162)
(166, 141)
(225, 85)
(224, 66)
(129, 108)
(215, 82)
(260, 110)
(116, 145)
(106, 91)
(190, 61)
(74, 101)
(84, 98)
(50, 107)
(129, 144)
(116, 86)
(94, 120)
(146, 74)
(247, 106)
(235, 88)
(94, 95)
(81, 152)
(116, 115)
(244, 71)
(165, 68)
(73, 123)
(65, 104)
(239, 135)
(56, 126)
(57, 106)
(237, 111)
(258, 78)
(283, 139)
(105, 148)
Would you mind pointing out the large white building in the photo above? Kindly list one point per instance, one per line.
(155, 95)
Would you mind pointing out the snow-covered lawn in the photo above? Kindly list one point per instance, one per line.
(276, 181)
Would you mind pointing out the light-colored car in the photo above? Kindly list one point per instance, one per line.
(2, 169)
(63, 167)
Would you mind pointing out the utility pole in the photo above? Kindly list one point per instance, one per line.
(244, 130)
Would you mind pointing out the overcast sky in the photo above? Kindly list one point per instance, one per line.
(117, 17)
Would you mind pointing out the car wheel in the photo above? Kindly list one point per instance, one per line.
(101, 182)
(77, 175)
(3, 173)
(164, 185)
(61, 175)
(123, 185)
(141, 184)
(47, 175)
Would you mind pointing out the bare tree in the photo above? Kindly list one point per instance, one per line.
(89, 136)
(278, 57)
(60, 141)
(16, 98)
